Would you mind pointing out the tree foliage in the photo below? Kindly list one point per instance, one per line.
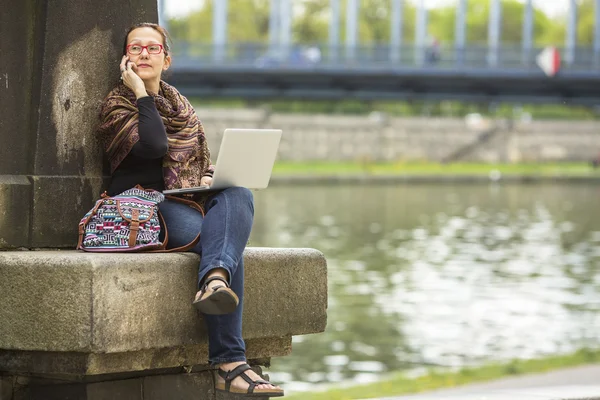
(249, 22)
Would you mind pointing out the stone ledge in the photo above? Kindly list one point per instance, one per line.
(108, 313)
(196, 385)
(90, 367)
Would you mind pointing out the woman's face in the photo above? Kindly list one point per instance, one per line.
(151, 60)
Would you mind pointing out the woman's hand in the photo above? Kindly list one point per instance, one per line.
(205, 181)
(131, 79)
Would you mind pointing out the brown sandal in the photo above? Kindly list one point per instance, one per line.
(240, 370)
(218, 300)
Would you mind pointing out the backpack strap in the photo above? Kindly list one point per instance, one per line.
(134, 227)
(84, 222)
(188, 246)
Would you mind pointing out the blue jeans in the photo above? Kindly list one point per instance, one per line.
(225, 229)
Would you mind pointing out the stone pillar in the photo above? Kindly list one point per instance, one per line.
(59, 60)
(396, 30)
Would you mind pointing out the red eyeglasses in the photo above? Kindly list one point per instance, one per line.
(137, 49)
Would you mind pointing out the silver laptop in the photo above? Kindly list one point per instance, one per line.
(245, 159)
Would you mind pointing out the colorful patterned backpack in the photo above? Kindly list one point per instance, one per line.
(129, 221)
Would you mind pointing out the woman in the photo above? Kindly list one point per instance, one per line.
(153, 138)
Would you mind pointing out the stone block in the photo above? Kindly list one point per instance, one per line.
(45, 301)
(127, 389)
(293, 292)
(53, 392)
(21, 32)
(179, 387)
(6, 388)
(15, 203)
(59, 203)
(111, 313)
(68, 365)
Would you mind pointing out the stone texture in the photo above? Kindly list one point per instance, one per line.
(293, 289)
(15, 190)
(43, 362)
(109, 313)
(49, 98)
(6, 388)
(54, 213)
(45, 301)
(70, 366)
(179, 387)
(128, 389)
(143, 301)
(59, 392)
(21, 35)
(150, 359)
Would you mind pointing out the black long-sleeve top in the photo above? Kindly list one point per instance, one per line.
(143, 164)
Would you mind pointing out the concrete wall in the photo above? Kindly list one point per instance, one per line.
(379, 138)
(58, 60)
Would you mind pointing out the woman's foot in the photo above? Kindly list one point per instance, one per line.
(240, 383)
(218, 272)
(215, 297)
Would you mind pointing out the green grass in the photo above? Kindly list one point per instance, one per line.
(399, 384)
(348, 168)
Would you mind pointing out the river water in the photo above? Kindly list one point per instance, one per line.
(448, 275)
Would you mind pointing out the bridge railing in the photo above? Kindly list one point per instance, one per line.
(380, 56)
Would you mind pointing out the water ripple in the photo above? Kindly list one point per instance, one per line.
(432, 275)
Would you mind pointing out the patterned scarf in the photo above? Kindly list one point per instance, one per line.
(188, 157)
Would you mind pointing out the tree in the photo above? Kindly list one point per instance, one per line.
(585, 23)
(312, 25)
(249, 22)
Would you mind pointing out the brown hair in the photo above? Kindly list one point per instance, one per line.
(163, 32)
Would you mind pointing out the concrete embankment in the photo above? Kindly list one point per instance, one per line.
(379, 138)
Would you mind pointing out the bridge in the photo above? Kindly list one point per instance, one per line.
(421, 70)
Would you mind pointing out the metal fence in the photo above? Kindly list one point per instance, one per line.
(321, 56)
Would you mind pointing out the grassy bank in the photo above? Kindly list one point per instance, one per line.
(416, 108)
(346, 168)
(400, 384)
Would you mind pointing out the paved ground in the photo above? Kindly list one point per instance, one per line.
(573, 383)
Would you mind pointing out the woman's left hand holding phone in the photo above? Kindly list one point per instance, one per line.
(131, 79)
